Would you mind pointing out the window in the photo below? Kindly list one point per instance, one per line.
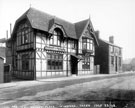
(72, 44)
(23, 34)
(55, 61)
(25, 62)
(112, 60)
(87, 44)
(111, 49)
(15, 62)
(24, 38)
(119, 51)
(119, 61)
(55, 38)
(86, 63)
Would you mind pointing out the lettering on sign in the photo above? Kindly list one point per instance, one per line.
(54, 48)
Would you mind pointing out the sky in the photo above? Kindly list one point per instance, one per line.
(111, 17)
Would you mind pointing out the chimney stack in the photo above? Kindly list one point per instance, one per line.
(97, 34)
(10, 29)
(7, 34)
(111, 39)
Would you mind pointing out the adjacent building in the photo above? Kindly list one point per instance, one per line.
(43, 46)
(108, 56)
(3, 48)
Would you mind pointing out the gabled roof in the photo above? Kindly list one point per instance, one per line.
(109, 43)
(80, 26)
(69, 27)
(43, 21)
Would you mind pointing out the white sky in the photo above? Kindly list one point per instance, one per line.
(110, 17)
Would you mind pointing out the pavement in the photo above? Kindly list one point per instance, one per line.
(48, 80)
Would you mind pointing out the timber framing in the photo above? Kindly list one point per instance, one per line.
(44, 46)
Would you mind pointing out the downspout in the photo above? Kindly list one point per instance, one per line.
(67, 56)
(34, 39)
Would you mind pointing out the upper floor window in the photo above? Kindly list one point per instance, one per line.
(24, 37)
(56, 37)
(111, 49)
(119, 51)
(72, 44)
(23, 34)
(87, 44)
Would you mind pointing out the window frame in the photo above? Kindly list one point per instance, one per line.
(88, 44)
(86, 63)
(23, 34)
(112, 60)
(54, 59)
(56, 35)
(25, 62)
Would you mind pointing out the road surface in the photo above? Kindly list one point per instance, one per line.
(116, 92)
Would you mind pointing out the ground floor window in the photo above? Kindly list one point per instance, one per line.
(119, 61)
(55, 61)
(112, 60)
(86, 63)
(25, 62)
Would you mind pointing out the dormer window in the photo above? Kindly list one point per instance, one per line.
(56, 38)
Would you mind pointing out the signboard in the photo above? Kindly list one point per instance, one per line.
(54, 48)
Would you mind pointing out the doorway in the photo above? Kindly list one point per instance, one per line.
(116, 66)
(74, 62)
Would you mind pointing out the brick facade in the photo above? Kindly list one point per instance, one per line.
(108, 56)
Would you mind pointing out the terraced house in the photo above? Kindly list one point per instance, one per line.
(108, 56)
(45, 46)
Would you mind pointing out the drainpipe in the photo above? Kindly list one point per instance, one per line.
(67, 56)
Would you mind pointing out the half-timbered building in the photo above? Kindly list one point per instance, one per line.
(44, 46)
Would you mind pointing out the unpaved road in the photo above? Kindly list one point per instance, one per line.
(118, 92)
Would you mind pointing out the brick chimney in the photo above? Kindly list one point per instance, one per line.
(111, 39)
(97, 34)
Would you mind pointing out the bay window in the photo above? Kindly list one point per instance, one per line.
(87, 44)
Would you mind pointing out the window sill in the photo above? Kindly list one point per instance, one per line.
(54, 70)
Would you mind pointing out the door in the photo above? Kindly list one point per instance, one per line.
(116, 68)
(74, 65)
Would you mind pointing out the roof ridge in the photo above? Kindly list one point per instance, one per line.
(54, 17)
(81, 21)
(109, 42)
